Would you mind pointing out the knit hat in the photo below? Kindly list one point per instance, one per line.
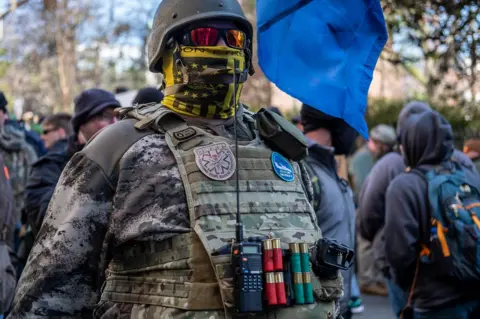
(90, 103)
(148, 95)
(343, 135)
(384, 134)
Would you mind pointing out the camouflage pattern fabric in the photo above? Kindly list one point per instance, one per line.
(94, 229)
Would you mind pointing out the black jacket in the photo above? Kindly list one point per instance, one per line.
(427, 141)
(42, 181)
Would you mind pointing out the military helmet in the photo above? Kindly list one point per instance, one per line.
(173, 15)
(384, 134)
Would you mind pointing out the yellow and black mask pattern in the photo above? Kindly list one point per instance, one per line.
(199, 80)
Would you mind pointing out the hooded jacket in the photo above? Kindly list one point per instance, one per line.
(427, 141)
(371, 212)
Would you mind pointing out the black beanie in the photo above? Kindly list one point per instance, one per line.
(343, 135)
(313, 119)
(90, 103)
(148, 95)
(3, 103)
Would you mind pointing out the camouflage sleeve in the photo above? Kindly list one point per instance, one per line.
(65, 269)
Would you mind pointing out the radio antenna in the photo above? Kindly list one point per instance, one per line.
(238, 225)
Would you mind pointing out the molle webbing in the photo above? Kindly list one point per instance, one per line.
(175, 273)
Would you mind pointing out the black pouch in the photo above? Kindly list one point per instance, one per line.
(281, 135)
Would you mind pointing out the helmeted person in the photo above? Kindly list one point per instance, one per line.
(140, 218)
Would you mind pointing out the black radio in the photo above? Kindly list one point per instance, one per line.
(248, 272)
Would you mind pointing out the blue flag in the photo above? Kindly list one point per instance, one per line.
(323, 52)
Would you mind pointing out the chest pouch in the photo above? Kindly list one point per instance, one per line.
(281, 135)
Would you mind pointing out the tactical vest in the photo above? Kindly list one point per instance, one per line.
(189, 271)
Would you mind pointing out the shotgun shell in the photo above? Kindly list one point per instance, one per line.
(268, 256)
(307, 288)
(280, 289)
(277, 255)
(270, 289)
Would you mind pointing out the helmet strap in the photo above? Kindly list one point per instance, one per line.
(179, 63)
(251, 69)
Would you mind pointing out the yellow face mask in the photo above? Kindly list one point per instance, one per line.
(199, 80)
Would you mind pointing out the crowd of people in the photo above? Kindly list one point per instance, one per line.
(119, 212)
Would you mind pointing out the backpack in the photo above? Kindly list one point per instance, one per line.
(454, 244)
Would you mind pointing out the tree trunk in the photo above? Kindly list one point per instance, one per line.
(65, 44)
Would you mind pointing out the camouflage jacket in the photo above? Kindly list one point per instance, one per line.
(91, 214)
(18, 156)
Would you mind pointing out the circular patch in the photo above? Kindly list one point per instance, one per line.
(282, 167)
(216, 161)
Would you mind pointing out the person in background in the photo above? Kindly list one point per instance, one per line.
(56, 129)
(46, 171)
(328, 136)
(358, 168)
(472, 149)
(18, 156)
(94, 110)
(148, 95)
(382, 139)
(372, 210)
(7, 225)
(427, 144)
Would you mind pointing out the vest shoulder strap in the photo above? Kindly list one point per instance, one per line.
(106, 149)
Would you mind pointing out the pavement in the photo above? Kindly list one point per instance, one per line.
(376, 307)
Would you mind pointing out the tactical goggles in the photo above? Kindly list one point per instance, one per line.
(210, 36)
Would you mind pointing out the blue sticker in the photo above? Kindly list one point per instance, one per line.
(282, 167)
